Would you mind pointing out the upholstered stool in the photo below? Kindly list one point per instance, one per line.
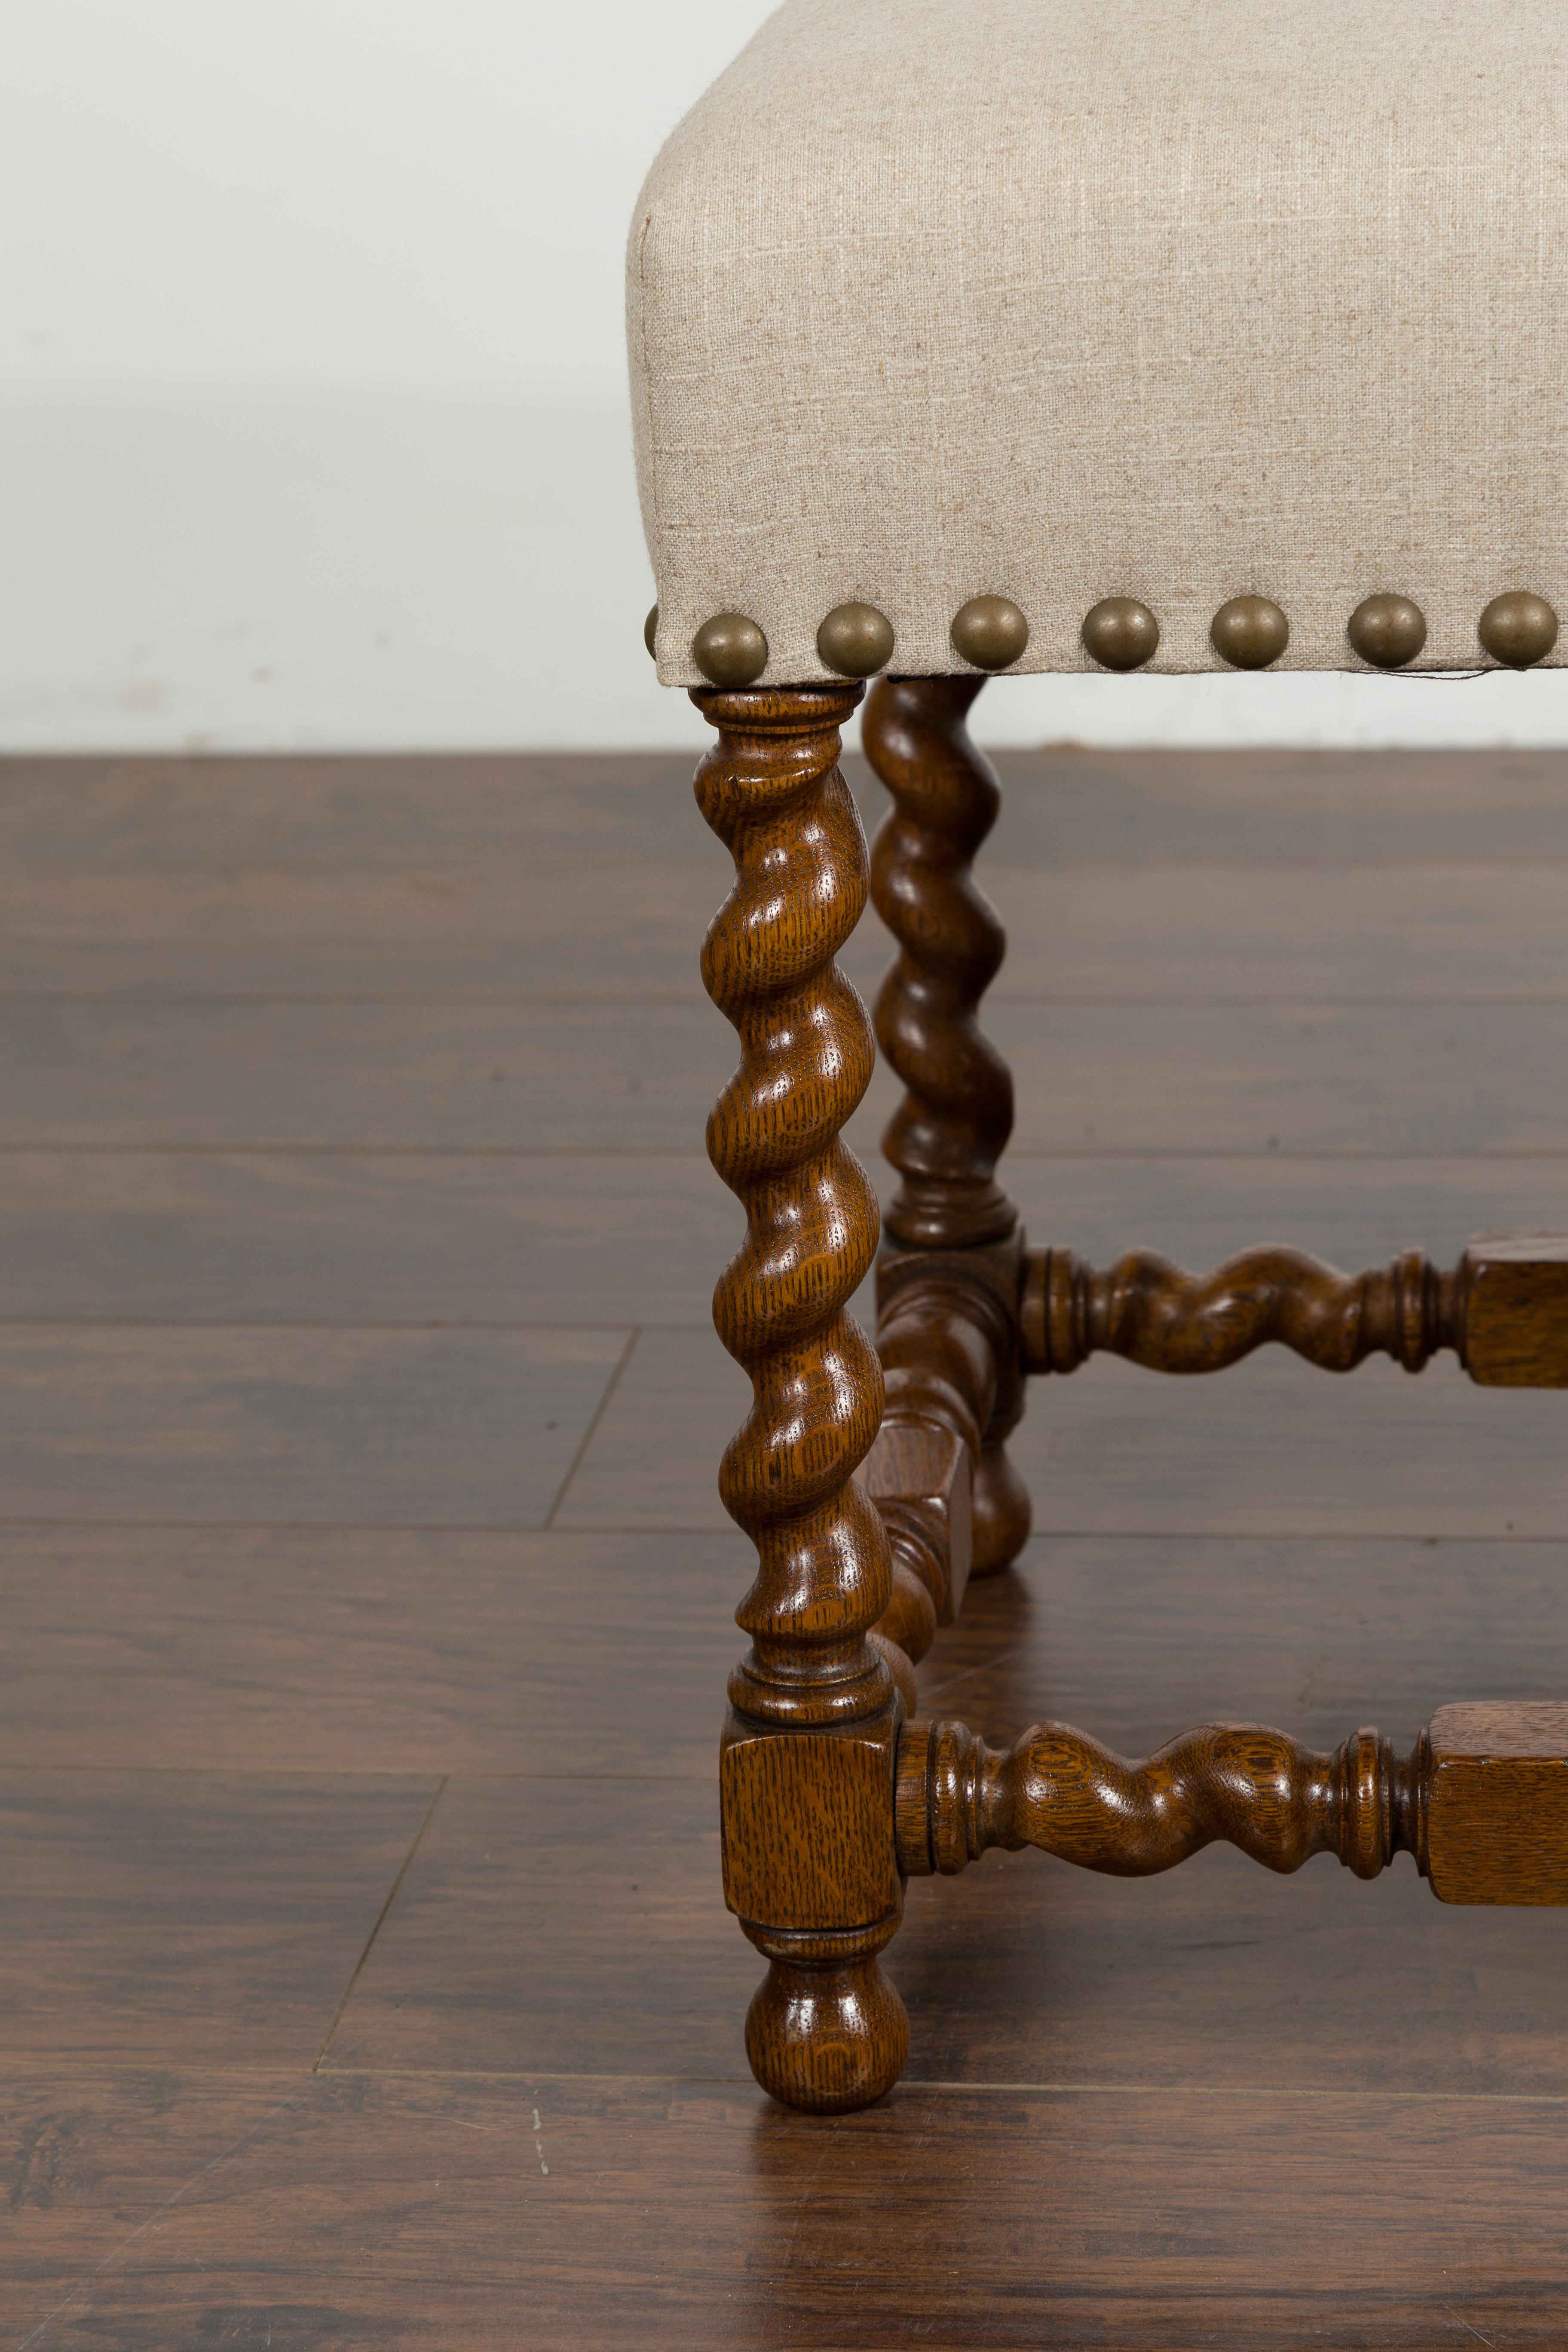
(973, 336)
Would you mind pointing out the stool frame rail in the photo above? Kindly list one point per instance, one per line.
(875, 1481)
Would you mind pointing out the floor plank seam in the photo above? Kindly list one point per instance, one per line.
(134, 2070)
(584, 1442)
(380, 1921)
(1045, 2088)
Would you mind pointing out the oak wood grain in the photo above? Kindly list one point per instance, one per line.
(1498, 1809)
(1516, 1302)
(919, 1475)
(1064, 1792)
(1157, 1314)
(956, 1115)
(804, 1772)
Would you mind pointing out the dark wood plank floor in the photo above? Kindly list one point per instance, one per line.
(363, 1975)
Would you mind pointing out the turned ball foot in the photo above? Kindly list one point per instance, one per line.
(1001, 1513)
(826, 2036)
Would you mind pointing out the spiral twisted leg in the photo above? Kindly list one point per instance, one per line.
(957, 1113)
(807, 1765)
(953, 1123)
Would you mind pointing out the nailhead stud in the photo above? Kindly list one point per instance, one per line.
(856, 640)
(1120, 634)
(1250, 632)
(651, 630)
(1388, 631)
(1518, 629)
(989, 632)
(730, 650)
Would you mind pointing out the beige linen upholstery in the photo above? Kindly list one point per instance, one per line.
(1060, 299)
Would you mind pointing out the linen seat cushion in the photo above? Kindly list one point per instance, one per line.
(1057, 301)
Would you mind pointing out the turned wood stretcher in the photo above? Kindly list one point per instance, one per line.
(876, 1482)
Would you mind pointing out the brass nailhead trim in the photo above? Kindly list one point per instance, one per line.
(856, 640)
(1119, 632)
(1387, 630)
(730, 650)
(1518, 629)
(1250, 632)
(989, 632)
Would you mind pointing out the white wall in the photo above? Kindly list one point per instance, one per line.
(313, 428)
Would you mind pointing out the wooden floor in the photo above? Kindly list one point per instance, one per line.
(363, 1975)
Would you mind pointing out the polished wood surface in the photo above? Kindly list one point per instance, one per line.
(198, 1919)
(313, 1426)
(393, 2208)
(949, 1222)
(1258, 1077)
(963, 1313)
(1067, 1794)
(949, 1335)
(1285, 2109)
(953, 1123)
(485, 1650)
(1156, 1315)
(919, 1475)
(806, 1769)
(1480, 1801)
(1497, 1802)
(1496, 1777)
(1516, 1310)
(1503, 1311)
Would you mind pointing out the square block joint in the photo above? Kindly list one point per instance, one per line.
(806, 1824)
(1516, 1310)
(1497, 1817)
(926, 1466)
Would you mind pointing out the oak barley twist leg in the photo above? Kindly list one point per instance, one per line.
(950, 1223)
(806, 1768)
